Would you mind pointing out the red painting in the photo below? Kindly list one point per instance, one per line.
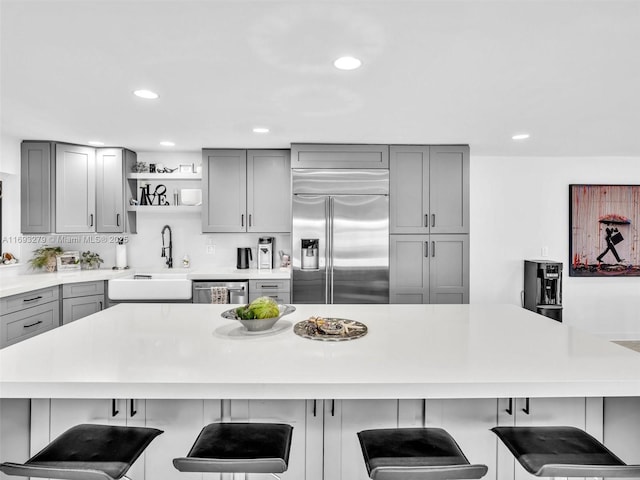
(604, 221)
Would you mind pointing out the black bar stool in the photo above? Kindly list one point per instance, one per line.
(239, 448)
(415, 454)
(87, 452)
(562, 452)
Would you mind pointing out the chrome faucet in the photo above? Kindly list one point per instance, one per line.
(169, 261)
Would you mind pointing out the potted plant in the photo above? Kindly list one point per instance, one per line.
(45, 257)
(90, 260)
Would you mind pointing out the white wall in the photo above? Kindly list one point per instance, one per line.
(520, 205)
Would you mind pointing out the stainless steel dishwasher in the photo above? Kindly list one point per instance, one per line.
(238, 291)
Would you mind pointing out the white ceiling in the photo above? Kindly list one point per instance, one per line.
(457, 71)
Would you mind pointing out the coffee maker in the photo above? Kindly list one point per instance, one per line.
(543, 288)
(266, 247)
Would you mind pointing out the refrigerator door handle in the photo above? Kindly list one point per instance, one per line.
(327, 249)
(331, 249)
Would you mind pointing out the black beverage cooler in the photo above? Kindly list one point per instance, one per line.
(543, 288)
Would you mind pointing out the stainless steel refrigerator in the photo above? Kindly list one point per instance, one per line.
(340, 236)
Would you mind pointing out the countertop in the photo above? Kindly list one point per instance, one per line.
(21, 283)
(411, 351)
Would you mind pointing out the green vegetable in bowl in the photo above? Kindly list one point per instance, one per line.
(244, 313)
(261, 307)
(264, 307)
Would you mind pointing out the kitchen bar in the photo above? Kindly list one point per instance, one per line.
(410, 351)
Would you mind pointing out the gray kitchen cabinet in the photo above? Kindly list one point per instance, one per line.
(429, 189)
(75, 188)
(279, 290)
(224, 190)
(113, 190)
(268, 191)
(429, 269)
(339, 156)
(37, 214)
(246, 191)
(28, 314)
(81, 299)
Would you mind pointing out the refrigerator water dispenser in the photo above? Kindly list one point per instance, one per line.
(309, 254)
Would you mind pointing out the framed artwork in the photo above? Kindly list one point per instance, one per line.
(604, 239)
(68, 261)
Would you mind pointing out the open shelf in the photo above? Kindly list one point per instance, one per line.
(164, 208)
(164, 176)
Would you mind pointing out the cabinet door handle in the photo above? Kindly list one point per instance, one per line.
(114, 410)
(32, 299)
(433, 219)
(526, 409)
(433, 249)
(509, 409)
(426, 220)
(315, 406)
(91, 220)
(250, 219)
(333, 408)
(32, 324)
(242, 220)
(132, 410)
(100, 305)
(426, 249)
(117, 219)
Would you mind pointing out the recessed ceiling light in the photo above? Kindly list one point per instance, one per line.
(146, 94)
(347, 63)
(166, 143)
(96, 143)
(521, 136)
(260, 130)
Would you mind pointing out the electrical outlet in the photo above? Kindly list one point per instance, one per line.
(211, 249)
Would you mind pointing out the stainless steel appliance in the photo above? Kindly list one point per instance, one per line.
(340, 235)
(238, 291)
(543, 288)
(266, 247)
(244, 256)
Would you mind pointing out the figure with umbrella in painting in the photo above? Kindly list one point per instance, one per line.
(613, 236)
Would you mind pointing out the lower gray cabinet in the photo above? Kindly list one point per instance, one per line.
(429, 269)
(28, 314)
(279, 290)
(81, 299)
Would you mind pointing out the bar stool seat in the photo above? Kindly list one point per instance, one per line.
(87, 452)
(415, 454)
(562, 452)
(239, 448)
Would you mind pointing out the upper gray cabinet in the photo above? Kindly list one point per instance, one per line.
(111, 189)
(37, 214)
(246, 190)
(74, 189)
(304, 155)
(429, 190)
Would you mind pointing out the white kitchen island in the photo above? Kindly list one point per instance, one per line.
(410, 351)
(179, 366)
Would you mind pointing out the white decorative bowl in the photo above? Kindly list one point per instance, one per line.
(191, 196)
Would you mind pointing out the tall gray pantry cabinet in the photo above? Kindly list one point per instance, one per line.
(429, 224)
(74, 188)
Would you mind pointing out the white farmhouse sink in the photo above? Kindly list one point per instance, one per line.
(150, 286)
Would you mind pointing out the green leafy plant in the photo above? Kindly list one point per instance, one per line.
(45, 257)
(90, 259)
